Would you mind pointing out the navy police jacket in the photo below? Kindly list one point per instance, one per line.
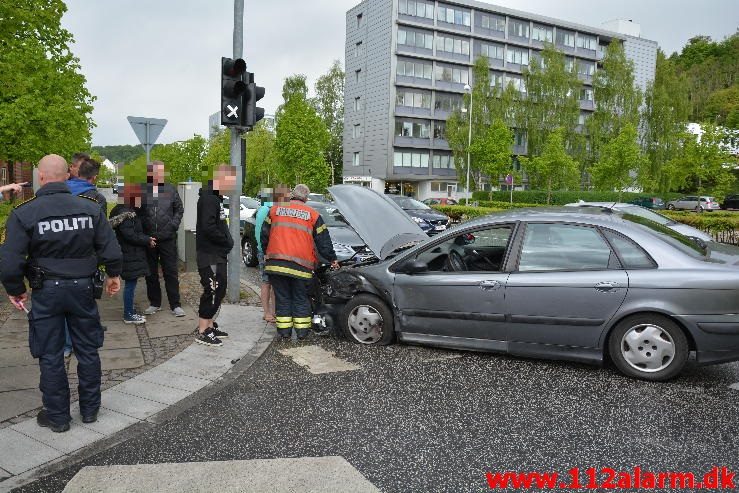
(62, 234)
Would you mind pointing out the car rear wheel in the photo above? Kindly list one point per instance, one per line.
(650, 347)
(249, 254)
(366, 319)
(670, 207)
(698, 209)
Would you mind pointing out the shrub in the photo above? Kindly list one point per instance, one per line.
(459, 213)
(566, 197)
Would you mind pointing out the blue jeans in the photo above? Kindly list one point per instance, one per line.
(128, 291)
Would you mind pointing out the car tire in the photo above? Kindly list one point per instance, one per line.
(670, 207)
(249, 254)
(632, 344)
(359, 320)
(698, 209)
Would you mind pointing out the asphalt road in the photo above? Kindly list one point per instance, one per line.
(418, 419)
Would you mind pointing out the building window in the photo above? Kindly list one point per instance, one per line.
(416, 8)
(454, 16)
(358, 75)
(518, 83)
(452, 45)
(518, 28)
(447, 102)
(440, 130)
(408, 159)
(358, 50)
(358, 104)
(413, 99)
(587, 42)
(496, 80)
(416, 39)
(493, 22)
(452, 74)
(542, 33)
(585, 68)
(442, 161)
(417, 69)
(586, 94)
(517, 55)
(495, 51)
(565, 38)
(569, 64)
(359, 21)
(357, 131)
(582, 119)
(417, 129)
(519, 137)
(355, 159)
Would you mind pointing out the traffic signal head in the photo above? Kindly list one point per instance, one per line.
(253, 94)
(233, 88)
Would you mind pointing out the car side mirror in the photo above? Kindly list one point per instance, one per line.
(414, 266)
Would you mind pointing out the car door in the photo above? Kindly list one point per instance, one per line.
(448, 302)
(567, 285)
(688, 203)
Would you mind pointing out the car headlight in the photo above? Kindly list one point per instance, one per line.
(418, 220)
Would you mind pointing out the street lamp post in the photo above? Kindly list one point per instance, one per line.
(469, 143)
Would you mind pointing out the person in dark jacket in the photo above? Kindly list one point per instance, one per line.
(213, 241)
(161, 214)
(130, 234)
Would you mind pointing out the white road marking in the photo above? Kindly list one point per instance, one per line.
(317, 360)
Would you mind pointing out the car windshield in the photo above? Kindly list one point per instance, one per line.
(330, 215)
(646, 214)
(408, 203)
(681, 242)
(250, 203)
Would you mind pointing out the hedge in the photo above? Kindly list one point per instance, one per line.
(566, 197)
(495, 204)
(458, 213)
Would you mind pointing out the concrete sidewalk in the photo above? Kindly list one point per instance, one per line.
(26, 447)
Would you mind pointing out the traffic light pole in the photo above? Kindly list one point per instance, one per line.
(234, 214)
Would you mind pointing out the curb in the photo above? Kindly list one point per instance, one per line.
(138, 404)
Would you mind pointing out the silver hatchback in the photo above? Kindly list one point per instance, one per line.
(694, 203)
(571, 284)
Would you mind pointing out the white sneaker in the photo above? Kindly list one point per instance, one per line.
(152, 310)
(178, 312)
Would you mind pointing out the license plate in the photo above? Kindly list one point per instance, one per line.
(440, 227)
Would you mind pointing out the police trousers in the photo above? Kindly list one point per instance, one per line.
(292, 305)
(69, 300)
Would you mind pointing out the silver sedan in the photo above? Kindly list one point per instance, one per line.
(567, 284)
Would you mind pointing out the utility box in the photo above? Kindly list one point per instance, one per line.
(189, 192)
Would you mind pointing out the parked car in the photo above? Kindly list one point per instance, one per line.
(649, 202)
(694, 203)
(568, 283)
(441, 201)
(117, 187)
(430, 221)
(347, 244)
(636, 210)
(248, 207)
(318, 197)
(731, 202)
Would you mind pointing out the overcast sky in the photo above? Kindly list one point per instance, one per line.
(161, 58)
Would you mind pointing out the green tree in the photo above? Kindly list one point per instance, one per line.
(261, 164)
(702, 162)
(44, 104)
(552, 102)
(665, 111)
(617, 100)
(183, 161)
(554, 168)
(492, 151)
(329, 103)
(120, 153)
(301, 139)
(620, 159)
(217, 152)
(720, 106)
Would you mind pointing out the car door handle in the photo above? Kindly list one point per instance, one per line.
(489, 285)
(606, 287)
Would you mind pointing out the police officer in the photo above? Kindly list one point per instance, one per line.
(290, 236)
(55, 240)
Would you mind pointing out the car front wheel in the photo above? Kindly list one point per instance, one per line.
(249, 254)
(650, 347)
(366, 319)
(670, 207)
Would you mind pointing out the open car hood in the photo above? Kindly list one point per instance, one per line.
(379, 221)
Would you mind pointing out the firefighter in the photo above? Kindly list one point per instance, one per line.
(290, 236)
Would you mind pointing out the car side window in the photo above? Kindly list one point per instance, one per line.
(477, 251)
(564, 247)
(632, 255)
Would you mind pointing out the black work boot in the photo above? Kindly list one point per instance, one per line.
(42, 419)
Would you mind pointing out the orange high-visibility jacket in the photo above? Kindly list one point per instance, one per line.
(291, 234)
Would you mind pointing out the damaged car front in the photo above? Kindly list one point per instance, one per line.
(386, 230)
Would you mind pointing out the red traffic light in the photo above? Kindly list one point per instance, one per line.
(233, 68)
